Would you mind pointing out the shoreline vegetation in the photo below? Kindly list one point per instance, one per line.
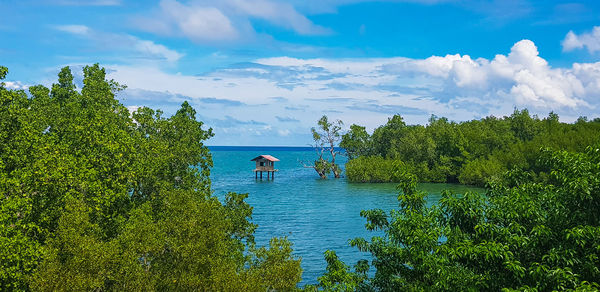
(471, 153)
(325, 138)
(94, 197)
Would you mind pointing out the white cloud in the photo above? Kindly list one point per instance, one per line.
(527, 77)
(150, 48)
(15, 85)
(136, 46)
(589, 40)
(278, 13)
(132, 108)
(589, 74)
(223, 21)
(366, 91)
(74, 29)
(200, 23)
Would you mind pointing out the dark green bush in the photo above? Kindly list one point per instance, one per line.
(373, 169)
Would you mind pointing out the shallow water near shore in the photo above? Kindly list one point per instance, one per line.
(315, 214)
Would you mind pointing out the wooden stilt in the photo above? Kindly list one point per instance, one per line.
(261, 175)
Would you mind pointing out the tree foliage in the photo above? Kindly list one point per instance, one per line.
(97, 198)
(374, 169)
(521, 235)
(472, 152)
(338, 276)
(356, 142)
(325, 139)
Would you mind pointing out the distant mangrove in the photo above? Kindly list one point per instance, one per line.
(472, 152)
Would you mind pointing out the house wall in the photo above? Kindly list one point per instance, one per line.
(267, 165)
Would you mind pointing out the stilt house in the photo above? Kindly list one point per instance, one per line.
(265, 163)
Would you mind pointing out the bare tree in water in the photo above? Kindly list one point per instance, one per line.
(325, 138)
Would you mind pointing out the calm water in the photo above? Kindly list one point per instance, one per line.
(316, 215)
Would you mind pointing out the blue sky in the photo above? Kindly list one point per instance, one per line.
(261, 72)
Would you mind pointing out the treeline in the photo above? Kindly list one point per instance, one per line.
(471, 152)
(95, 198)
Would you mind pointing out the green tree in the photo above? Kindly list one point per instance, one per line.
(522, 235)
(325, 138)
(356, 142)
(98, 198)
(523, 125)
(471, 152)
(386, 138)
(3, 73)
(374, 169)
(450, 147)
(338, 276)
(65, 88)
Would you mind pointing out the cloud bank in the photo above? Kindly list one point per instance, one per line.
(522, 77)
(284, 96)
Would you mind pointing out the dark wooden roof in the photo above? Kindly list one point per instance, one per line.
(267, 157)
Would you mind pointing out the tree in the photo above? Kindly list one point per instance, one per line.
(385, 138)
(97, 198)
(338, 276)
(523, 125)
(470, 152)
(65, 88)
(320, 165)
(522, 235)
(325, 138)
(356, 142)
(450, 150)
(3, 72)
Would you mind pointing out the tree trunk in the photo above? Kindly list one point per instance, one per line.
(335, 169)
(321, 173)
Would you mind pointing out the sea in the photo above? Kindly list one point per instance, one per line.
(315, 214)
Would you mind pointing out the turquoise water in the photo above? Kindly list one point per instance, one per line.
(316, 215)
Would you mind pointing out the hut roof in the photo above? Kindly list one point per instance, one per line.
(267, 157)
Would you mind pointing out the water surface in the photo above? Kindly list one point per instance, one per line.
(316, 215)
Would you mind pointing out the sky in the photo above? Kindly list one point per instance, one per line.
(262, 72)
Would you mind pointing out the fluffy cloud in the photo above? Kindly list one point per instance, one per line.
(290, 94)
(199, 23)
(522, 76)
(589, 40)
(124, 42)
(223, 21)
